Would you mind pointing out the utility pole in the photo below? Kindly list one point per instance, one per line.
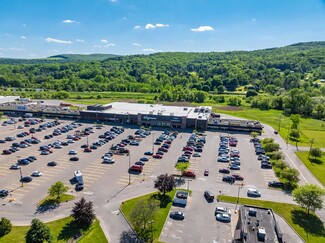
(311, 147)
(188, 184)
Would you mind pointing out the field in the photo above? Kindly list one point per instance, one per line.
(62, 230)
(315, 166)
(161, 214)
(310, 228)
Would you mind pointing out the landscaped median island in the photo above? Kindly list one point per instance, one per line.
(153, 225)
(315, 165)
(51, 200)
(62, 230)
(309, 227)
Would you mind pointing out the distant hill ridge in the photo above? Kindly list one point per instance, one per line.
(62, 58)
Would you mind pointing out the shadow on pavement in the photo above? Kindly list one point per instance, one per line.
(46, 208)
(129, 237)
(179, 182)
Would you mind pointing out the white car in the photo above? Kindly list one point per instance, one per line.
(37, 173)
(223, 217)
(73, 152)
(251, 192)
(222, 210)
(70, 141)
(58, 146)
(197, 155)
(108, 160)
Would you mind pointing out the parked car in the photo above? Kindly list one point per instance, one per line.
(87, 150)
(74, 158)
(52, 163)
(229, 179)
(222, 210)
(206, 173)
(108, 160)
(139, 163)
(148, 153)
(276, 184)
(197, 155)
(266, 166)
(208, 195)
(26, 179)
(223, 217)
(144, 159)
(136, 168)
(72, 152)
(238, 177)
(37, 173)
(251, 192)
(4, 193)
(157, 156)
(189, 173)
(234, 167)
(177, 215)
(15, 167)
(224, 171)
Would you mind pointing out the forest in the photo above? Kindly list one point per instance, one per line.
(290, 78)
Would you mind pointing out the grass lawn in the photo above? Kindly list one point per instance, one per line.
(162, 213)
(48, 200)
(62, 230)
(310, 229)
(315, 166)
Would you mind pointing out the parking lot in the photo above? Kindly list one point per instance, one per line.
(103, 181)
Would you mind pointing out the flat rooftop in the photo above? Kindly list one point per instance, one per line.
(255, 218)
(156, 109)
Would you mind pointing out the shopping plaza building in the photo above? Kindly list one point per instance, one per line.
(156, 115)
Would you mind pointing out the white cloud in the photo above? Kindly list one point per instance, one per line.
(149, 50)
(253, 19)
(137, 27)
(153, 26)
(69, 21)
(109, 45)
(136, 44)
(124, 18)
(104, 41)
(23, 37)
(80, 40)
(203, 28)
(15, 49)
(104, 46)
(24, 25)
(113, 1)
(53, 40)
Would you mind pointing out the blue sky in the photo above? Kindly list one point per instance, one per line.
(41, 28)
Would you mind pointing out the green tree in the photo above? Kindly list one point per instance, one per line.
(38, 232)
(57, 189)
(143, 212)
(5, 226)
(295, 135)
(221, 89)
(277, 155)
(254, 134)
(165, 183)
(295, 119)
(83, 213)
(309, 197)
(271, 147)
(316, 152)
(290, 176)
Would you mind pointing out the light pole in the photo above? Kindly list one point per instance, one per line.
(188, 184)
(129, 168)
(87, 141)
(240, 187)
(21, 177)
(151, 222)
(153, 143)
(311, 147)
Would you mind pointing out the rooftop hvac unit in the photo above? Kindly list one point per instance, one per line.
(159, 113)
(171, 114)
(150, 112)
(185, 108)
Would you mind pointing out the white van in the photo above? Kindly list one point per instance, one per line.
(251, 192)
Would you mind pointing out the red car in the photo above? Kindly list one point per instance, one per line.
(232, 144)
(238, 177)
(157, 156)
(187, 149)
(136, 168)
(87, 150)
(189, 173)
(6, 152)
